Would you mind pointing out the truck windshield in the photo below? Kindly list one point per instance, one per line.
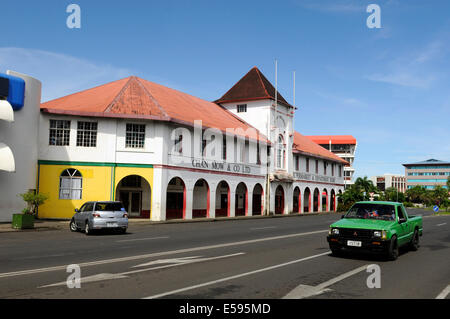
(372, 211)
(108, 207)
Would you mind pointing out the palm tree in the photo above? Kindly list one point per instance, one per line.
(366, 185)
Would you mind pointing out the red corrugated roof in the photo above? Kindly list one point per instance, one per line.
(305, 145)
(335, 139)
(134, 97)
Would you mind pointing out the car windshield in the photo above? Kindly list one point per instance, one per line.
(372, 211)
(102, 207)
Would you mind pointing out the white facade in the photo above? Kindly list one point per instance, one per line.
(220, 182)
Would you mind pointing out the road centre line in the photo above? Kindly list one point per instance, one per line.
(260, 228)
(140, 239)
(235, 276)
(441, 224)
(444, 293)
(157, 254)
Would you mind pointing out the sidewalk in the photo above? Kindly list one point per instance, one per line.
(44, 224)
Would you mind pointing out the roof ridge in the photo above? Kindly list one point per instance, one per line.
(152, 98)
(114, 101)
(262, 83)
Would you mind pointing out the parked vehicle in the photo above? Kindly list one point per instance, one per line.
(100, 215)
(381, 227)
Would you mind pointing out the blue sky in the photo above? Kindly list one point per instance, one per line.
(388, 87)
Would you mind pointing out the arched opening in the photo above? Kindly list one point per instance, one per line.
(257, 202)
(176, 199)
(223, 199)
(200, 204)
(324, 200)
(307, 200)
(241, 200)
(316, 198)
(135, 194)
(279, 200)
(70, 184)
(333, 201)
(297, 200)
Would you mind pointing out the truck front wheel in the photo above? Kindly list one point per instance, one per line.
(415, 241)
(392, 253)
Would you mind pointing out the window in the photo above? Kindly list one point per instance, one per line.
(135, 135)
(340, 171)
(317, 166)
(242, 108)
(307, 165)
(70, 184)
(332, 169)
(224, 147)
(297, 163)
(179, 144)
(281, 153)
(325, 168)
(87, 134)
(59, 133)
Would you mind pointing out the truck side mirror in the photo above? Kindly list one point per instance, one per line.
(343, 216)
(77, 210)
(401, 220)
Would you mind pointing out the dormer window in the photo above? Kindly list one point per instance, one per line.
(242, 108)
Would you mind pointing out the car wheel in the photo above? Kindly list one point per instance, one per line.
(336, 252)
(415, 241)
(73, 226)
(393, 249)
(87, 229)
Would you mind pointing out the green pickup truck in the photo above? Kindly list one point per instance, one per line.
(380, 227)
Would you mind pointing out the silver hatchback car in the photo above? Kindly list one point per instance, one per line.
(100, 215)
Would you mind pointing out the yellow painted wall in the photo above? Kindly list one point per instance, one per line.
(96, 186)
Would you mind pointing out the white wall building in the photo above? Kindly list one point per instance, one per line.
(167, 154)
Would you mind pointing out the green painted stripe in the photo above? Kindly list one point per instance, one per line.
(44, 162)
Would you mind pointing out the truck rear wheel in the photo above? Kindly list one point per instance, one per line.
(392, 253)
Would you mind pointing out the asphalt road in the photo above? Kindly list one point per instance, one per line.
(261, 258)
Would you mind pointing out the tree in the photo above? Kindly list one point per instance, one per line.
(33, 200)
(366, 185)
(392, 194)
(448, 183)
(416, 194)
(439, 195)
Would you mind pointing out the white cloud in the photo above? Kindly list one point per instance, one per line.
(403, 78)
(60, 74)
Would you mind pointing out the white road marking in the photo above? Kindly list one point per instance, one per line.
(164, 253)
(259, 228)
(94, 278)
(175, 263)
(444, 293)
(234, 277)
(304, 291)
(140, 239)
(441, 224)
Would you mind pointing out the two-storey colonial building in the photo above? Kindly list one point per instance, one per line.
(169, 155)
